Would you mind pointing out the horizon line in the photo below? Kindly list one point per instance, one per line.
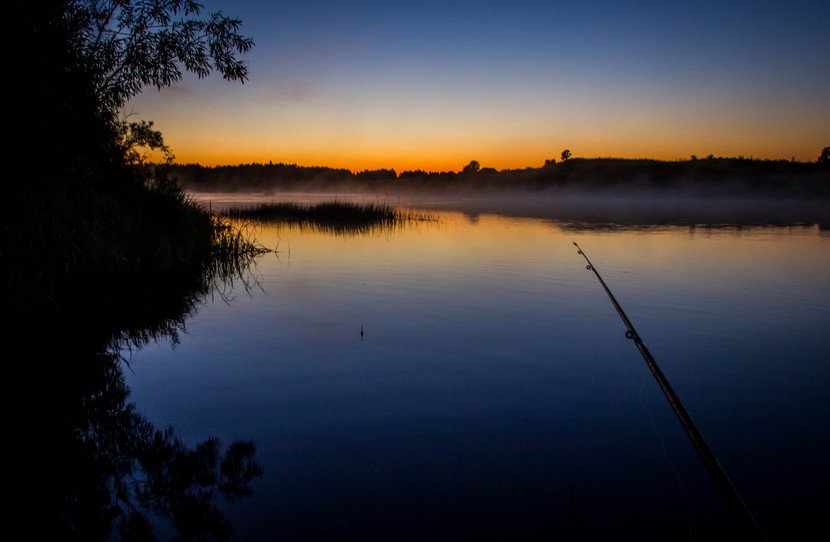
(690, 158)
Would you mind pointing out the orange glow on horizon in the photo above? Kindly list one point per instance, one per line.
(434, 163)
(381, 131)
(356, 143)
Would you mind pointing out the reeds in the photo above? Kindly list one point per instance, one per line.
(336, 217)
(130, 266)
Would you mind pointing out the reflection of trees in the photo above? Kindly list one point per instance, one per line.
(114, 473)
(122, 472)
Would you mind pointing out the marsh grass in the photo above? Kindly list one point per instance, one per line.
(335, 217)
(131, 264)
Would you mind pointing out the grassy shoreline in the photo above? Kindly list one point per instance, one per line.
(71, 257)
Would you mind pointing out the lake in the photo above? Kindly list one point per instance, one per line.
(465, 376)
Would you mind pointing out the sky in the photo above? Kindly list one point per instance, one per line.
(433, 85)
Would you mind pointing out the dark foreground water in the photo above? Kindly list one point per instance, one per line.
(493, 393)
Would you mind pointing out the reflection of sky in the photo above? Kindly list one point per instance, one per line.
(494, 374)
(435, 84)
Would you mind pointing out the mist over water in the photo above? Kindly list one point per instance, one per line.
(580, 208)
(465, 377)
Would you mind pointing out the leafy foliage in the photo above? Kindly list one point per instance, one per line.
(129, 44)
(139, 139)
(824, 157)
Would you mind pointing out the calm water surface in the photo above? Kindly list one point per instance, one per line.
(493, 394)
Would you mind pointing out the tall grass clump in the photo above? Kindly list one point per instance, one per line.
(136, 255)
(335, 217)
(234, 250)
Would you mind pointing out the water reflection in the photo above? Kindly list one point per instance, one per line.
(620, 212)
(112, 472)
(494, 395)
(122, 474)
(576, 211)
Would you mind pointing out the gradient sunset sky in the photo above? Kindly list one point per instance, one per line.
(433, 85)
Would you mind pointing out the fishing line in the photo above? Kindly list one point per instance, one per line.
(730, 494)
(668, 459)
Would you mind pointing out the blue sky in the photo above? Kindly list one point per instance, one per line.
(436, 84)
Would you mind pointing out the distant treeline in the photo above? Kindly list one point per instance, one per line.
(708, 175)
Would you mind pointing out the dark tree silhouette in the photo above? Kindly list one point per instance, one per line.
(566, 154)
(472, 167)
(376, 175)
(128, 44)
(80, 203)
(139, 138)
(824, 157)
(549, 163)
(83, 59)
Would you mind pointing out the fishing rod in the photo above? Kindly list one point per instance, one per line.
(734, 502)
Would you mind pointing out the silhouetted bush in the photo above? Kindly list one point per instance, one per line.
(472, 167)
(82, 203)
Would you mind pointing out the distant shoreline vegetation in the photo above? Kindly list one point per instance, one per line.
(712, 175)
(336, 217)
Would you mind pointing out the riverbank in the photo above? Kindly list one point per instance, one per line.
(71, 255)
(699, 177)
